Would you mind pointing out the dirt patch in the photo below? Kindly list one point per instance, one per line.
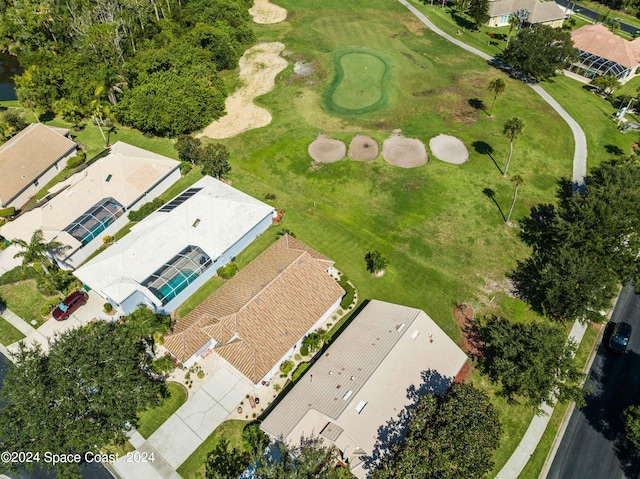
(327, 150)
(303, 69)
(404, 152)
(363, 148)
(449, 149)
(258, 69)
(266, 13)
(462, 374)
(471, 342)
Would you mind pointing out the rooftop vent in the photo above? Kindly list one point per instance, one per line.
(400, 327)
(361, 406)
(196, 223)
(415, 334)
(108, 178)
(348, 395)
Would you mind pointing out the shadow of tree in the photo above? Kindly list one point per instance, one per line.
(394, 431)
(462, 21)
(477, 104)
(489, 193)
(614, 150)
(486, 149)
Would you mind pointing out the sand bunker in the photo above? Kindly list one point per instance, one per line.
(258, 69)
(449, 149)
(327, 150)
(404, 152)
(266, 13)
(363, 148)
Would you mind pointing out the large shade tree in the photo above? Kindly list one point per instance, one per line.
(452, 436)
(538, 52)
(79, 396)
(530, 360)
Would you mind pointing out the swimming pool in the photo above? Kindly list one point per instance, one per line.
(176, 285)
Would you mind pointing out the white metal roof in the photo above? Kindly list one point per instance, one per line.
(225, 215)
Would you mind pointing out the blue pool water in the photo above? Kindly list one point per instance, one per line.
(176, 285)
(98, 228)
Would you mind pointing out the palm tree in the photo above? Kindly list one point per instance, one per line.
(37, 250)
(497, 86)
(517, 181)
(376, 263)
(514, 22)
(512, 129)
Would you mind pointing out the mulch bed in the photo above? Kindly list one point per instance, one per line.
(471, 342)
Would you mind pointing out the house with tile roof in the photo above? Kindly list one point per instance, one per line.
(258, 318)
(31, 159)
(176, 249)
(365, 379)
(546, 13)
(603, 53)
(93, 203)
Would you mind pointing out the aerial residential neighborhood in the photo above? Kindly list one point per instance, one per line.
(290, 239)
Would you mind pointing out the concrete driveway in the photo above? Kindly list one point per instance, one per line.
(7, 260)
(82, 316)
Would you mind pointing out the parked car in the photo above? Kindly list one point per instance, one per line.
(620, 337)
(69, 305)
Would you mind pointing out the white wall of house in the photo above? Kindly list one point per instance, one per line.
(29, 191)
(290, 353)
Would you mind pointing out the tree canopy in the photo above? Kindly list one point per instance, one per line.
(539, 51)
(78, 397)
(452, 436)
(530, 360)
(79, 55)
(583, 247)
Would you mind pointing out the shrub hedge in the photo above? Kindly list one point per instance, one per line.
(145, 210)
(227, 271)
(18, 274)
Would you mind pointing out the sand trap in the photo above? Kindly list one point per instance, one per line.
(266, 13)
(363, 148)
(327, 150)
(449, 149)
(258, 69)
(404, 152)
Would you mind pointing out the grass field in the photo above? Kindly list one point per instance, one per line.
(24, 299)
(8, 333)
(359, 84)
(151, 419)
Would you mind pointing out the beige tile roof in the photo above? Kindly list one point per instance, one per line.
(28, 155)
(597, 39)
(540, 11)
(386, 351)
(259, 314)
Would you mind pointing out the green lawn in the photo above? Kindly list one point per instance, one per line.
(24, 299)
(8, 333)
(194, 466)
(151, 419)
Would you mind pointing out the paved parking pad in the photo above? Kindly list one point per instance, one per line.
(203, 412)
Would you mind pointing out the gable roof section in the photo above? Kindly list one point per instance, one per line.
(131, 171)
(225, 215)
(258, 315)
(28, 155)
(598, 40)
(540, 11)
(379, 356)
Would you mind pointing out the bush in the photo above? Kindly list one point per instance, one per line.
(228, 271)
(57, 282)
(253, 439)
(49, 306)
(145, 210)
(107, 307)
(304, 349)
(350, 294)
(269, 197)
(185, 167)
(18, 274)
(7, 212)
(108, 239)
(75, 161)
(163, 365)
(286, 367)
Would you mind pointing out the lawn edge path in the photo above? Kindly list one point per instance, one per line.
(518, 460)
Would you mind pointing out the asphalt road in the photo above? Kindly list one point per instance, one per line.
(594, 14)
(593, 445)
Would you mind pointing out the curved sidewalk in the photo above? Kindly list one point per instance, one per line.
(518, 460)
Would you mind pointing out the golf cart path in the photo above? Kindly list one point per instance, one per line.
(518, 460)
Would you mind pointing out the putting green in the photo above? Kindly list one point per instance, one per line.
(359, 83)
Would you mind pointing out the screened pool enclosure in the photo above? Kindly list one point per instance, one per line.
(175, 275)
(94, 221)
